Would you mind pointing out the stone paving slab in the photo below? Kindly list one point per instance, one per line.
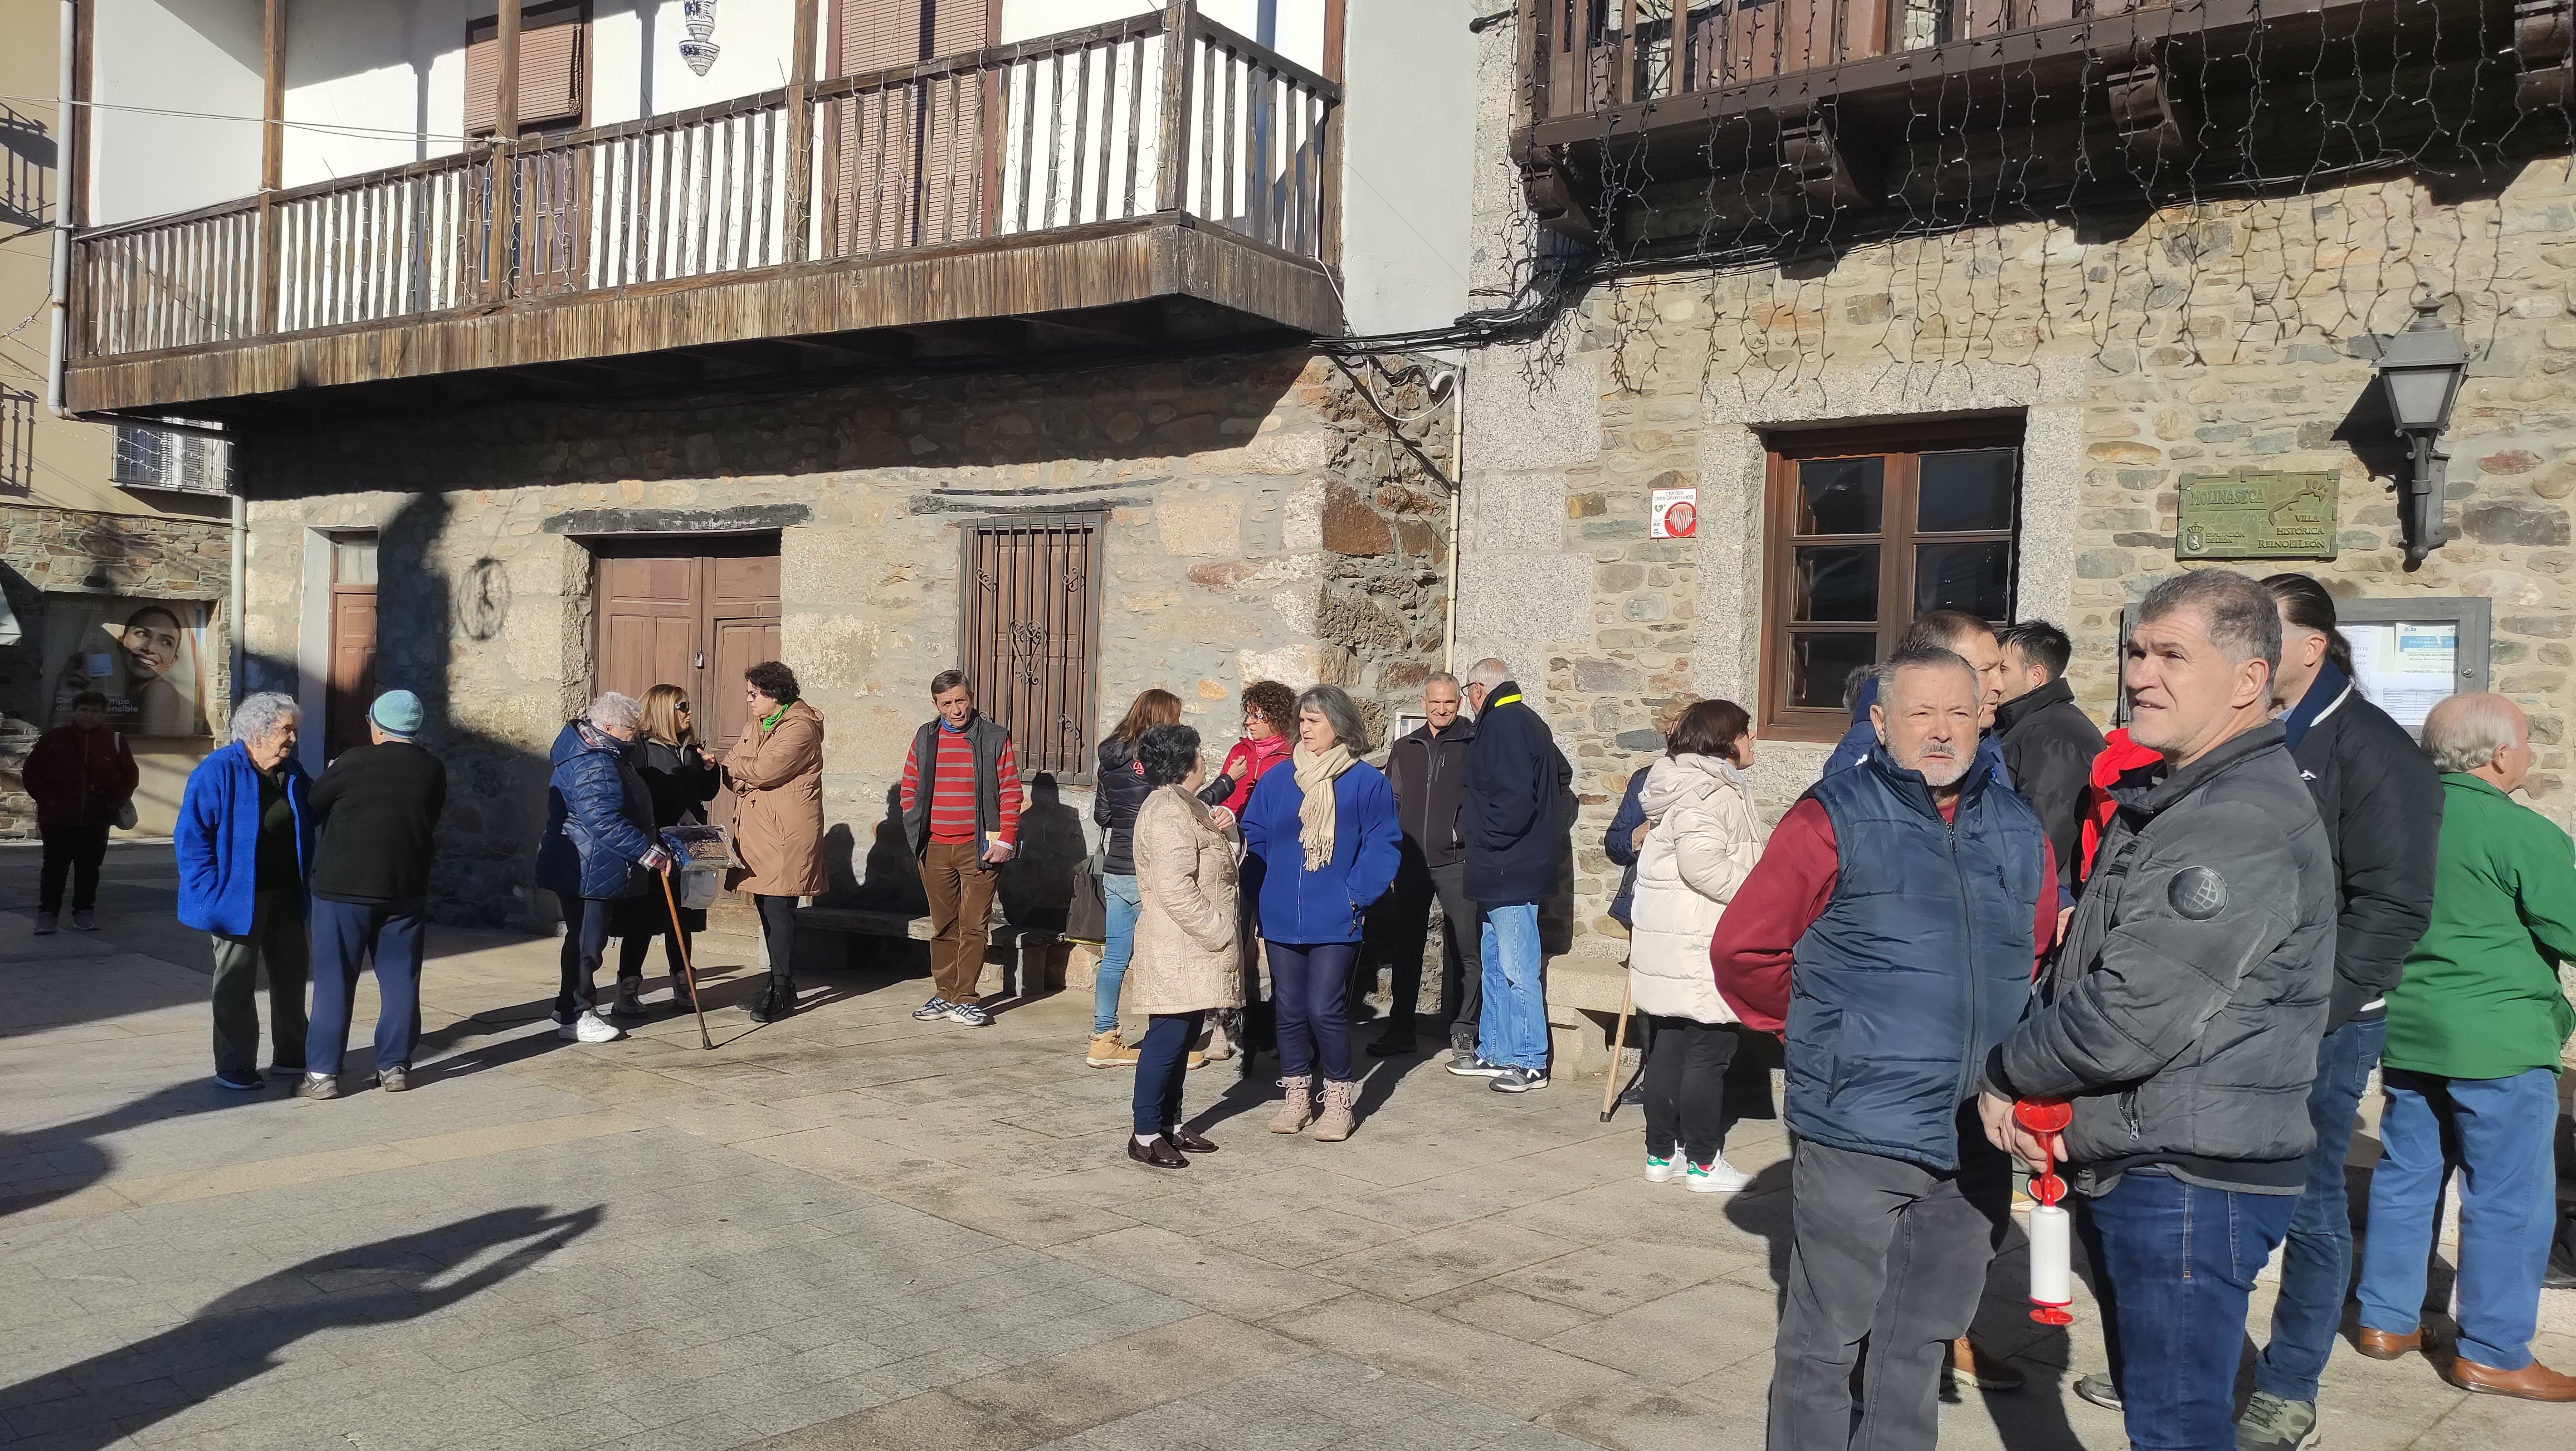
(853, 1230)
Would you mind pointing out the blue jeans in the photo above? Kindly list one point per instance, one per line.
(2173, 1266)
(1119, 895)
(345, 934)
(1512, 1030)
(2316, 1261)
(1310, 986)
(2496, 1132)
(1162, 1066)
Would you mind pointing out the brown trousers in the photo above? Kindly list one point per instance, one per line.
(960, 888)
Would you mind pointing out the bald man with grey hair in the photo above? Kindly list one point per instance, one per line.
(2476, 1027)
(1482, 677)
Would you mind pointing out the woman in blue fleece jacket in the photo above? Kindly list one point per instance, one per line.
(1324, 842)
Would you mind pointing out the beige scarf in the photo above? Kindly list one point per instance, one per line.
(1316, 772)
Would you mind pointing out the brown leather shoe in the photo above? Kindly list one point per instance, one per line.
(1971, 1364)
(1189, 1140)
(2534, 1382)
(2386, 1345)
(1156, 1154)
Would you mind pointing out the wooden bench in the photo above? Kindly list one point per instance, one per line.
(1018, 962)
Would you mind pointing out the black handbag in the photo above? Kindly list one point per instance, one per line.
(1086, 914)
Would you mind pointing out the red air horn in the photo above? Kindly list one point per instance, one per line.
(2052, 1271)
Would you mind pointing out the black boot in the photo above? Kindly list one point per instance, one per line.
(775, 1000)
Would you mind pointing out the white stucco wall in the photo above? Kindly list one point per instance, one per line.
(1408, 158)
(195, 56)
(1300, 22)
(372, 84)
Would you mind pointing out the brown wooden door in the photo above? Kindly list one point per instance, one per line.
(696, 621)
(353, 645)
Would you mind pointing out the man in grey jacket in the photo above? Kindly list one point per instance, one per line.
(2183, 1013)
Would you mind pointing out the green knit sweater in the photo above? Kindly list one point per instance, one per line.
(2481, 998)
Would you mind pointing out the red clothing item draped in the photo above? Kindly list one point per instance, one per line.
(1789, 889)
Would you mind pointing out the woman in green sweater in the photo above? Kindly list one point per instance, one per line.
(2471, 1068)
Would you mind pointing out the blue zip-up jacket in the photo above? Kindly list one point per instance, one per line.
(599, 819)
(217, 840)
(1918, 966)
(1861, 741)
(1300, 907)
(1616, 843)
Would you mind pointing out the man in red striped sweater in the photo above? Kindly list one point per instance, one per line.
(961, 812)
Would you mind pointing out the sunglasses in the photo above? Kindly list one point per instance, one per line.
(682, 707)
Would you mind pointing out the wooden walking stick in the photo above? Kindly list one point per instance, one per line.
(1618, 1046)
(688, 972)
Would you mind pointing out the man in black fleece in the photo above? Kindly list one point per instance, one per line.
(2049, 742)
(376, 810)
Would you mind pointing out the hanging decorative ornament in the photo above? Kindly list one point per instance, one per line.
(700, 48)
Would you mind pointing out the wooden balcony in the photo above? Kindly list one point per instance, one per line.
(1113, 189)
(1882, 113)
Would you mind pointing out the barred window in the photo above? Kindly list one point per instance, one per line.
(165, 458)
(1029, 634)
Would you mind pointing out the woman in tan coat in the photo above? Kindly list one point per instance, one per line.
(776, 771)
(1189, 953)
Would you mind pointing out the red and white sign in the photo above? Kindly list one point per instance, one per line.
(1674, 514)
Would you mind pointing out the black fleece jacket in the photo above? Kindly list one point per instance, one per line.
(2381, 802)
(2049, 744)
(375, 811)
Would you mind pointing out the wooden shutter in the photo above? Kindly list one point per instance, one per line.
(550, 67)
(1029, 635)
(908, 158)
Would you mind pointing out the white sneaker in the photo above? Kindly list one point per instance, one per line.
(589, 1028)
(1715, 1177)
(1661, 1171)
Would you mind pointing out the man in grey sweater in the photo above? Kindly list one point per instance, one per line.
(2183, 1012)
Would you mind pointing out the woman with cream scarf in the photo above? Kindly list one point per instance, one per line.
(1323, 844)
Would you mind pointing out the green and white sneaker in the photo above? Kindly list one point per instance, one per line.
(1661, 1171)
(2273, 1424)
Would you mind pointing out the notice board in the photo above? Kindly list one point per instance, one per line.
(2406, 653)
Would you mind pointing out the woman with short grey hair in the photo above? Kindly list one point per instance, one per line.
(244, 841)
(600, 850)
(1327, 845)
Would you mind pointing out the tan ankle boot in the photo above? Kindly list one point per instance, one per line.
(1335, 1124)
(1299, 1110)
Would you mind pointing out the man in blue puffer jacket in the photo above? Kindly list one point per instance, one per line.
(1891, 929)
(244, 841)
(598, 851)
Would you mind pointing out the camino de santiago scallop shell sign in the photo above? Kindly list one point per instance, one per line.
(2256, 516)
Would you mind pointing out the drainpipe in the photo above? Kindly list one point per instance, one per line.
(233, 624)
(1457, 488)
(58, 302)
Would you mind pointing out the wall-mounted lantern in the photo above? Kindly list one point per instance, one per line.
(2421, 369)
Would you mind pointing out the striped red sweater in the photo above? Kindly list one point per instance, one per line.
(952, 796)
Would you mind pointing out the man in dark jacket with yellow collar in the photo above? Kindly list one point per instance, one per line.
(1516, 839)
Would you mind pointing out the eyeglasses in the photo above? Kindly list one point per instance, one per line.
(682, 707)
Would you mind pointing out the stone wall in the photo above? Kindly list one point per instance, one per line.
(2208, 340)
(69, 552)
(1264, 521)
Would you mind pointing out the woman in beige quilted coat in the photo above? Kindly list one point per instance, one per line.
(1188, 958)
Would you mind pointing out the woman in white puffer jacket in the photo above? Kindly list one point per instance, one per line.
(1703, 842)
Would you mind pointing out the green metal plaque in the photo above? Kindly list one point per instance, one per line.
(2256, 516)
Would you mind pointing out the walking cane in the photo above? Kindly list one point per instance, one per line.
(687, 971)
(1618, 1046)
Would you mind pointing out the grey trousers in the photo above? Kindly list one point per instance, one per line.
(1887, 1252)
(277, 943)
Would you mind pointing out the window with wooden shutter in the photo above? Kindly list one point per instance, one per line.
(552, 67)
(1867, 530)
(1029, 634)
(909, 160)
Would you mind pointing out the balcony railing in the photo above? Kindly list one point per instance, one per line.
(1118, 121)
(1593, 54)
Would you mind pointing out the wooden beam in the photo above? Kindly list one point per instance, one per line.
(1171, 150)
(505, 104)
(1328, 225)
(502, 220)
(1131, 326)
(800, 138)
(272, 159)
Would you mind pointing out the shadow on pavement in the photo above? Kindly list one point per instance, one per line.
(74, 1153)
(237, 1337)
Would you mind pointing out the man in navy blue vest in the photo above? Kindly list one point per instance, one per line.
(1893, 981)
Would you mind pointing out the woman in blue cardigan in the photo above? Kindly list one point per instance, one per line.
(1325, 844)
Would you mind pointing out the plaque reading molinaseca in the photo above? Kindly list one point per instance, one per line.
(2256, 516)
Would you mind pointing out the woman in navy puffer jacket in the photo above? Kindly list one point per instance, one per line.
(1327, 843)
(600, 847)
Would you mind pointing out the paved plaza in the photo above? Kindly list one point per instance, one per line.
(853, 1230)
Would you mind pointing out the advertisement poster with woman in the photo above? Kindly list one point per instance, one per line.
(146, 656)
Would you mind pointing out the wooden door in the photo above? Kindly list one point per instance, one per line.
(696, 621)
(353, 645)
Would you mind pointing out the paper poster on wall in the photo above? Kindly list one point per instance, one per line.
(2405, 669)
(146, 656)
(1673, 514)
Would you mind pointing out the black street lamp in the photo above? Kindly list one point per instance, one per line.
(2421, 368)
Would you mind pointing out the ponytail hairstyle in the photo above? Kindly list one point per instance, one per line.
(2305, 603)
